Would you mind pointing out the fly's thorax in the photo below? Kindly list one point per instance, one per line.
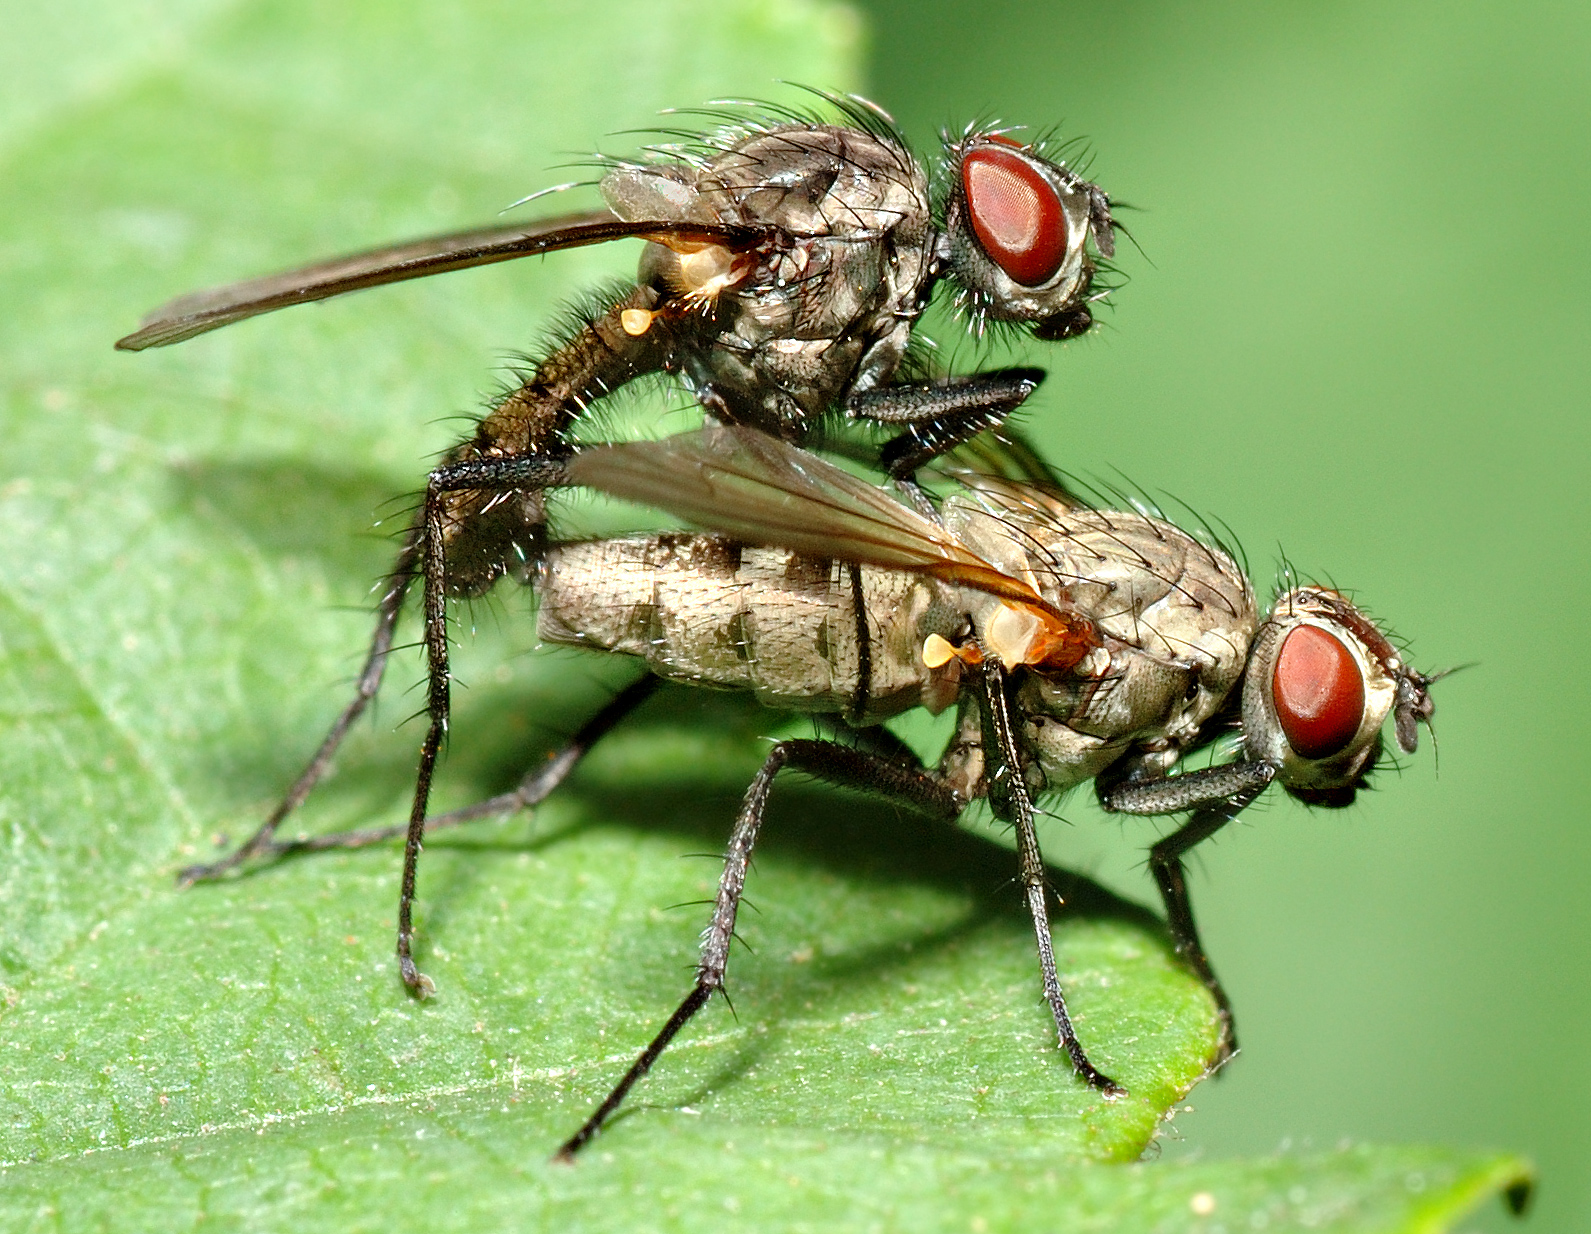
(841, 299)
(1322, 680)
(1122, 697)
(820, 179)
(713, 612)
(1152, 590)
(1175, 619)
(833, 303)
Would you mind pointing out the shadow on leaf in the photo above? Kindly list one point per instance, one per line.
(344, 518)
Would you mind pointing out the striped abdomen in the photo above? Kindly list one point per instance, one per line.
(717, 613)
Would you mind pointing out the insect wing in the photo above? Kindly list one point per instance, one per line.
(202, 311)
(1001, 466)
(756, 488)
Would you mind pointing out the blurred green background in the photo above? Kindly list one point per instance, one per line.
(1354, 332)
(1357, 331)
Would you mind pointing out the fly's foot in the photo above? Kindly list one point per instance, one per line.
(1093, 1076)
(189, 875)
(417, 983)
(1104, 1085)
(1226, 1046)
(209, 873)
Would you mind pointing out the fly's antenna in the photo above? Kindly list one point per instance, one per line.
(1414, 707)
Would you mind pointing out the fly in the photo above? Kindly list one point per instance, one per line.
(1074, 644)
(788, 260)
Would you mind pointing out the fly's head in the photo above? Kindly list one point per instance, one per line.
(1321, 681)
(1017, 231)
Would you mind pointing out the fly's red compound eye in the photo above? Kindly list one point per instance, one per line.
(1015, 212)
(1319, 693)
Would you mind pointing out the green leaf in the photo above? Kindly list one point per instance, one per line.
(184, 561)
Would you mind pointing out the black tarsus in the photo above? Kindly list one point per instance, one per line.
(478, 474)
(1165, 861)
(843, 765)
(538, 783)
(942, 413)
(694, 1001)
(1216, 795)
(1012, 803)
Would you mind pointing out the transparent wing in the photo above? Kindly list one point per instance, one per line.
(201, 311)
(1001, 466)
(759, 489)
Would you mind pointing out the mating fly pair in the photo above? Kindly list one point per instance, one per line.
(787, 263)
(788, 260)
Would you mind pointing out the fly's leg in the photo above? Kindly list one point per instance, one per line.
(903, 781)
(1165, 860)
(474, 476)
(539, 782)
(484, 513)
(489, 533)
(375, 667)
(940, 415)
(537, 785)
(1011, 801)
(1216, 795)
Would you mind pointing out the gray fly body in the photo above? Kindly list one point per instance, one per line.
(1076, 644)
